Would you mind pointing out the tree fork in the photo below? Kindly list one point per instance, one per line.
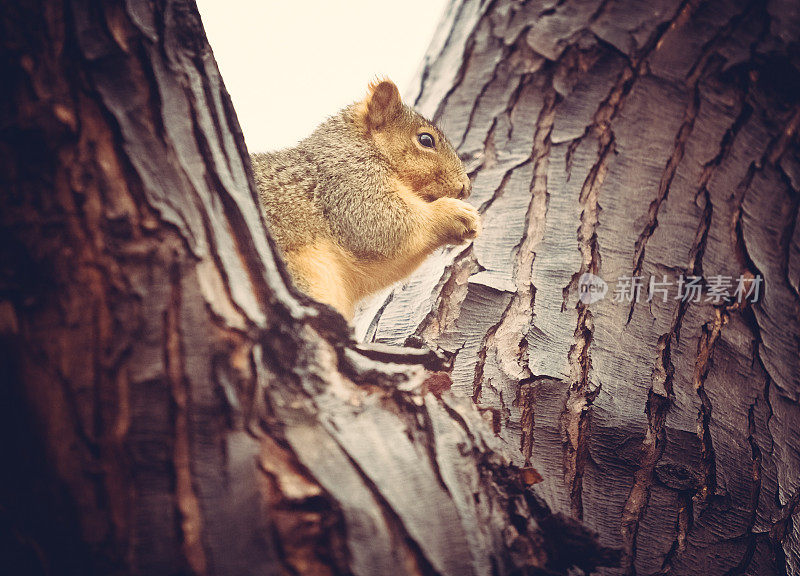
(171, 403)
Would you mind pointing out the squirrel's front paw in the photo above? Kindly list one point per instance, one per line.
(462, 220)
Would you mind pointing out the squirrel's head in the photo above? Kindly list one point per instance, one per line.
(418, 153)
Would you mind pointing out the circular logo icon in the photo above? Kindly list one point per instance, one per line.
(591, 288)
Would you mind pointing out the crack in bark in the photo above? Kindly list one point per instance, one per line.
(674, 160)
(427, 69)
(788, 233)
(658, 403)
(489, 156)
(574, 417)
(452, 294)
(661, 382)
(755, 452)
(781, 526)
(416, 413)
(476, 102)
(597, 13)
(512, 104)
(243, 242)
(705, 346)
(469, 46)
(527, 415)
(187, 503)
(498, 193)
(777, 143)
(486, 343)
(683, 524)
(705, 349)
(498, 345)
(723, 34)
(573, 420)
(410, 548)
(784, 138)
(509, 337)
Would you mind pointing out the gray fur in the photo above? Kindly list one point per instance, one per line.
(333, 184)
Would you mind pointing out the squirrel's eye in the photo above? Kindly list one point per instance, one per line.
(426, 140)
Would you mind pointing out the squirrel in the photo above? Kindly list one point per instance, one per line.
(362, 201)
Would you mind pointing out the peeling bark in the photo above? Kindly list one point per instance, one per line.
(643, 139)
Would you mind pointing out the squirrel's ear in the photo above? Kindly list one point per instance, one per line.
(382, 104)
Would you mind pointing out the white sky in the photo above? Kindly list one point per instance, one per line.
(288, 65)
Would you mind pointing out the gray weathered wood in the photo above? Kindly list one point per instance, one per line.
(628, 138)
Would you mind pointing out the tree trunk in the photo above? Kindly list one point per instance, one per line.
(170, 404)
(629, 139)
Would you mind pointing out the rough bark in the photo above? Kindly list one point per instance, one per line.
(627, 138)
(170, 404)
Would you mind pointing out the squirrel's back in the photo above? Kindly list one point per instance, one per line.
(286, 180)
